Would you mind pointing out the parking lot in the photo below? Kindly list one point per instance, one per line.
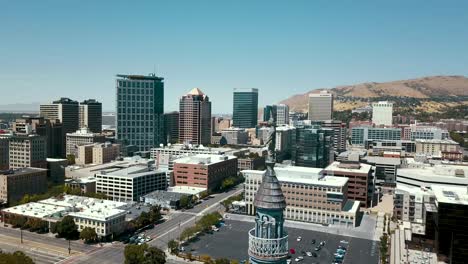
(231, 241)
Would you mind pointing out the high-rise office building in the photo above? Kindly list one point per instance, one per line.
(91, 115)
(27, 151)
(171, 127)
(245, 114)
(313, 147)
(321, 106)
(83, 136)
(65, 110)
(4, 153)
(140, 110)
(195, 118)
(51, 129)
(282, 114)
(382, 113)
(279, 114)
(339, 133)
(359, 135)
(269, 113)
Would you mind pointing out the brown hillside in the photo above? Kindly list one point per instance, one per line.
(427, 87)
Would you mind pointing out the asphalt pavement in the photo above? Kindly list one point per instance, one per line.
(231, 242)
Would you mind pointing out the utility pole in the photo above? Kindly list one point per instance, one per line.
(21, 234)
(69, 247)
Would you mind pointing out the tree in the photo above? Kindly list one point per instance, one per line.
(184, 201)
(155, 213)
(143, 254)
(88, 234)
(154, 255)
(234, 261)
(222, 261)
(206, 259)
(134, 254)
(227, 183)
(173, 246)
(18, 221)
(17, 257)
(203, 194)
(67, 228)
(37, 225)
(71, 159)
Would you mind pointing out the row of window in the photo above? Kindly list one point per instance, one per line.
(134, 84)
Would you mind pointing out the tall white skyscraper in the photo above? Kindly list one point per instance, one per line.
(382, 113)
(321, 106)
(282, 114)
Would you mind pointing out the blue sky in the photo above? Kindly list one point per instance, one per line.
(50, 49)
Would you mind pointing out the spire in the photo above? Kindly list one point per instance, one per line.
(196, 91)
(269, 194)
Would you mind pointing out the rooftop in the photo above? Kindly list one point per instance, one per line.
(196, 91)
(131, 171)
(186, 189)
(21, 171)
(88, 171)
(204, 159)
(151, 77)
(76, 206)
(349, 167)
(453, 195)
(438, 174)
(383, 160)
(303, 175)
(437, 141)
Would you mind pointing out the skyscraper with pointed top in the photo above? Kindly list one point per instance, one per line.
(195, 118)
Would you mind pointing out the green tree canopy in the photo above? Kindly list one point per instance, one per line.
(143, 254)
(17, 257)
(67, 228)
(88, 234)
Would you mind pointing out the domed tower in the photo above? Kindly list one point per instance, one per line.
(268, 241)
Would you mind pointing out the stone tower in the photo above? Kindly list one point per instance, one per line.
(268, 241)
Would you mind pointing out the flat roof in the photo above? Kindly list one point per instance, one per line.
(383, 160)
(76, 171)
(186, 189)
(21, 171)
(440, 174)
(451, 194)
(206, 159)
(303, 175)
(37, 209)
(437, 141)
(76, 206)
(363, 168)
(131, 172)
(140, 77)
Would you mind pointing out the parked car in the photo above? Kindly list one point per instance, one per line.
(313, 241)
(344, 242)
(292, 251)
(317, 248)
(299, 238)
(342, 247)
(308, 253)
(322, 243)
(298, 259)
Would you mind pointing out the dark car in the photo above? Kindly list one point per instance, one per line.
(314, 254)
(313, 241)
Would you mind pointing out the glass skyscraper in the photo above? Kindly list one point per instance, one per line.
(140, 110)
(313, 147)
(245, 109)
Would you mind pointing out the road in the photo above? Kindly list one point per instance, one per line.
(42, 248)
(161, 233)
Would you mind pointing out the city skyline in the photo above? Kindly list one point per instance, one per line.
(201, 45)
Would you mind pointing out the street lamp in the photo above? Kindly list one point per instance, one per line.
(69, 247)
(21, 234)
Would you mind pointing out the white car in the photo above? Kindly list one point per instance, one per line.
(299, 238)
(309, 254)
(344, 242)
(288, 261)
(300, 258)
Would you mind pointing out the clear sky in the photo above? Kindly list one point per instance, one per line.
(51, 49)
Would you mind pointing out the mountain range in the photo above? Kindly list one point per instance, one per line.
(435, 92)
